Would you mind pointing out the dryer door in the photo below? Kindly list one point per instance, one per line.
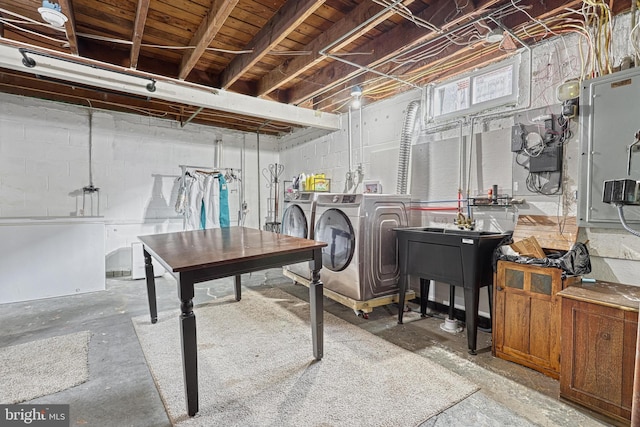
(335, 229)
(294, 222)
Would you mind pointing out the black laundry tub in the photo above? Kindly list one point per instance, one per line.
(457, 257)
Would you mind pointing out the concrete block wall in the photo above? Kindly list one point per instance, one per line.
(381, 126)
(44, 164)
(615, 254)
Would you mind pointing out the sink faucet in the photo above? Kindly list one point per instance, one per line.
(464, 223)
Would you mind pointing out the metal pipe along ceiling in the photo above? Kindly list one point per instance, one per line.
(405, 146)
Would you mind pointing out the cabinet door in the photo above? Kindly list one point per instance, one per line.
(527, 316)
(599, 347)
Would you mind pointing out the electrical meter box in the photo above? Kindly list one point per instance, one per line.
(609, 121)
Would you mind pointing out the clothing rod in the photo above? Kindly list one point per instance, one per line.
(207, 167)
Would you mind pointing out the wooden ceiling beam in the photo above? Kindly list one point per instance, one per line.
(204, 35)
(286, 20)
(138, 31)
(70, 26)
(444, 15)
(299, 64)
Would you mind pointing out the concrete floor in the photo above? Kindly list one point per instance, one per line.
(120, 391)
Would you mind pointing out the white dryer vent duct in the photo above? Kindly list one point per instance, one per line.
(405, 146)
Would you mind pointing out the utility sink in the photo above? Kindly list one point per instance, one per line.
(457, 257)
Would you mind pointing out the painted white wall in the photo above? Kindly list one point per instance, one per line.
(44, 164)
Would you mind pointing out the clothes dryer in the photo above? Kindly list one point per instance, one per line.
(361, 259)
(298, 221)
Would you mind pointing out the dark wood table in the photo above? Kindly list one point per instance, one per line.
(201, 255)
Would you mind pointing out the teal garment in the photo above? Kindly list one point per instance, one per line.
(224, 202)
(203, 217)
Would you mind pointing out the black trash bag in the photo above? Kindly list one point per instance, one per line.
(575, 262)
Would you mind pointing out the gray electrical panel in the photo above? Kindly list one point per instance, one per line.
(609, 120)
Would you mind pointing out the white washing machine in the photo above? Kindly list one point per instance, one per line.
(298, 220)
(361, 258)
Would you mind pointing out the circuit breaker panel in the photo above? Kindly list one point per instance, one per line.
(609, 123)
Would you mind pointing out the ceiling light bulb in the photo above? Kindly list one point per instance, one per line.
(356, 103)
(52, 16)
(568, 90)
(494, 36)
(51, 13)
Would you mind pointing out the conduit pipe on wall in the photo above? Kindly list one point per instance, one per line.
(634, 7)
(488, 115)
(502, 113)
(217, 153)
(444, 208)
(461, 122)
(435, 208)
(243, 209)
(349, 179)
(259, 174)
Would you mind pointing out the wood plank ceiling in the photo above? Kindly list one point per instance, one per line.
(308, 53)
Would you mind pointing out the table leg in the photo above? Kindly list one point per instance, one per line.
(189, 344)
(402, 289)
(238, 289)
(490, 290)
(151, 286)
(315, 300)
(425, 284)
(471, 299)
(452, 302)
(403, 280)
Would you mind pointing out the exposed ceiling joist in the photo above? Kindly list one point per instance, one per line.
(343, 30)
(398, 40)
(70, 26)
(138, 30)
(207, 31)
(288, 18)
(323, 47)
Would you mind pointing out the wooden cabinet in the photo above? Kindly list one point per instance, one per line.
(599, 330)
(526, 327)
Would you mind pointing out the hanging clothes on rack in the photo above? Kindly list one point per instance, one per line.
(195, 197)
(211, 202)
(203, 197)
(224, 202)
(184, 182)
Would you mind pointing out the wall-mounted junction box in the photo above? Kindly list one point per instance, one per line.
(608, 124)
(621, 191)
(550, 160)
